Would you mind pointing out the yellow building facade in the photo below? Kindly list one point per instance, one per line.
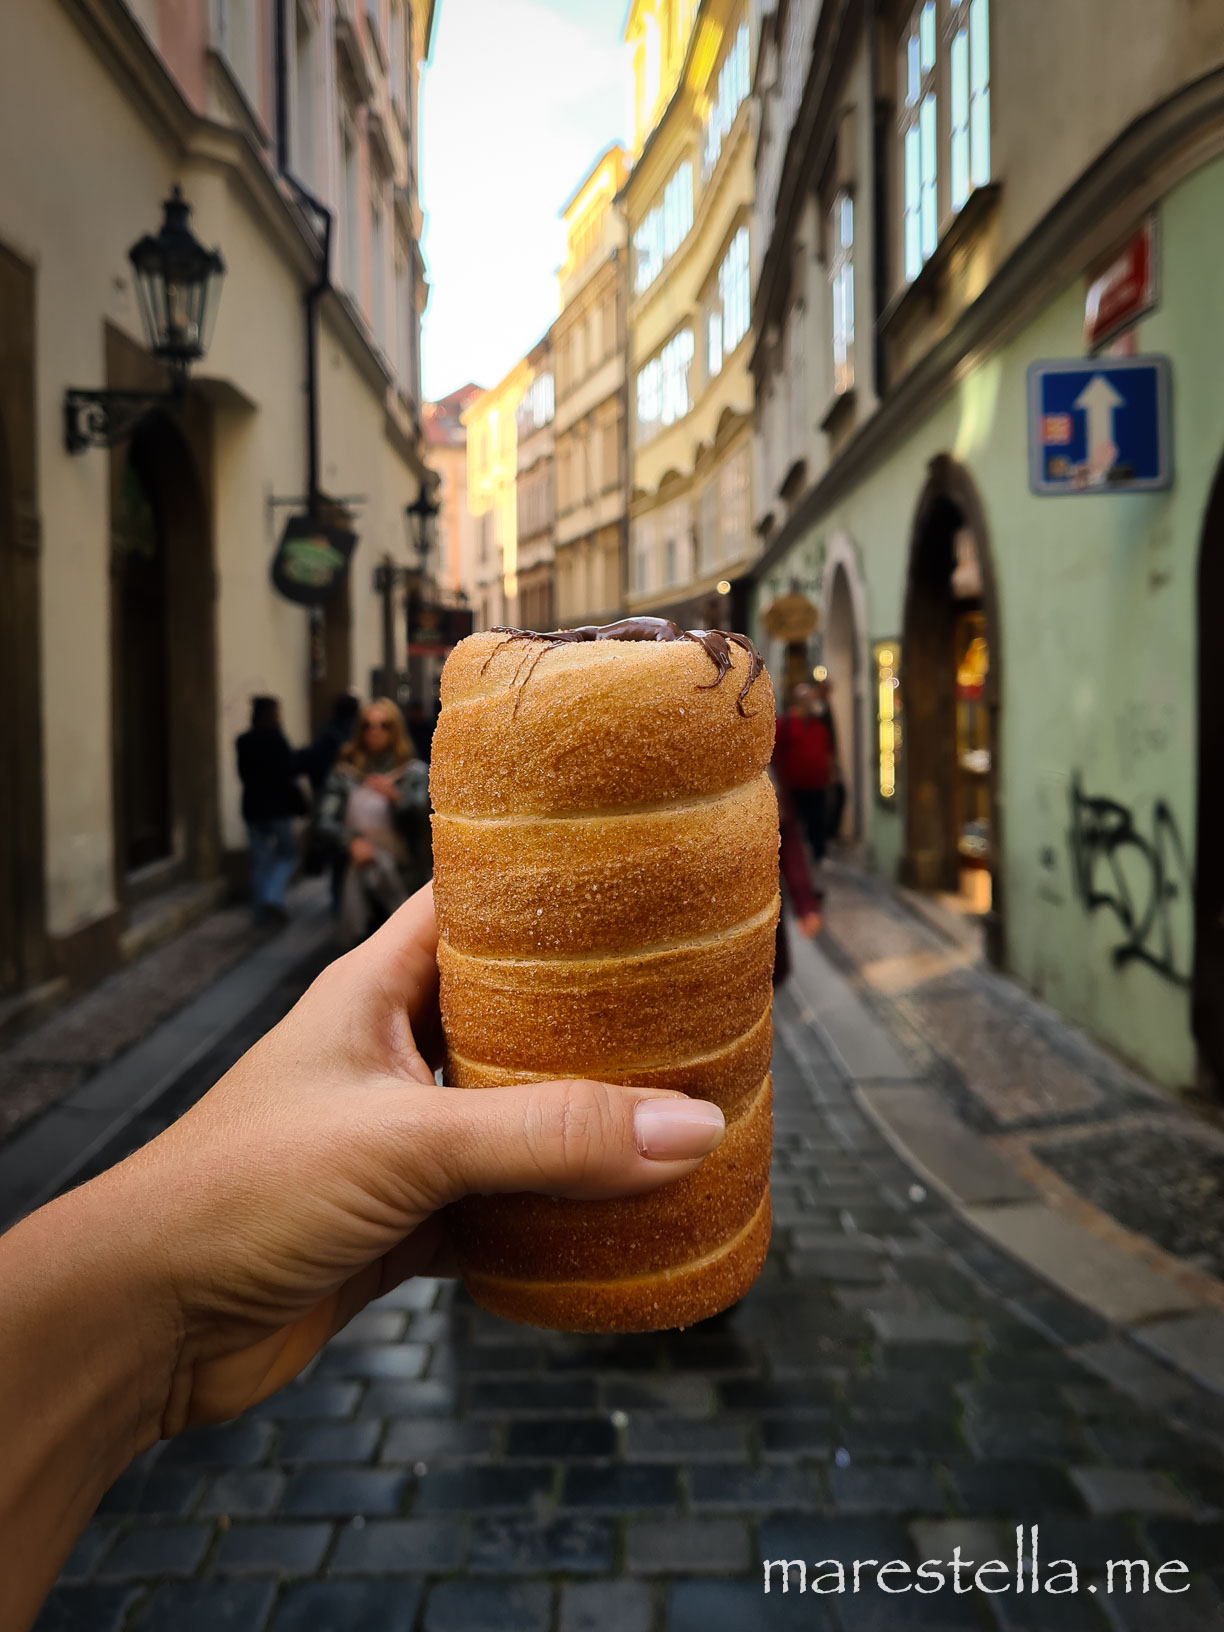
(688, 203)
(590, 427)
(492, 470)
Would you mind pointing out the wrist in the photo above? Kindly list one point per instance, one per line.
(87, 1348)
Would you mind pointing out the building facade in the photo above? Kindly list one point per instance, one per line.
(535, 491)
(1017, 626)
(454, 563)
(688, 204)
(135, 577)
(589, 340)
(491, 423)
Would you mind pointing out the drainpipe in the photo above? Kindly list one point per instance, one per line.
(282, 88)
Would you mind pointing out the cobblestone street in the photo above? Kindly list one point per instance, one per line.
(892, 1388)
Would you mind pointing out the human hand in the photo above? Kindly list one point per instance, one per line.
(377, 783)
(307, 1182)
(361, 851)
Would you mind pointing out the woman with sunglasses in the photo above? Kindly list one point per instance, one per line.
(374, 809)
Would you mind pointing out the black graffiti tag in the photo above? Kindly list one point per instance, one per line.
(1136, 878)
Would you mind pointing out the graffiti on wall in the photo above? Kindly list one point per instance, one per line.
(1142, 878)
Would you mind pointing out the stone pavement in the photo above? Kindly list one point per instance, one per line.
(1082, 1168)
(893, 1387)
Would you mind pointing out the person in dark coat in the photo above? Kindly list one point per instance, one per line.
(318, 759)
(268, 769)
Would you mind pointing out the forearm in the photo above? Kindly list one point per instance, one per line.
(85, 1357)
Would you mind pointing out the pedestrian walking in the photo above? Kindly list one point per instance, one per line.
(804, 754)
(321, 756)
(271, 798)
(374, 808)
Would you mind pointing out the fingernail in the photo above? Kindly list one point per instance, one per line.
(675, 1130)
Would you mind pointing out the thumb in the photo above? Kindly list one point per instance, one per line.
(584, 1140)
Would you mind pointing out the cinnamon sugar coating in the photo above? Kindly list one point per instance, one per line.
(599, 726)
(546, 1238)
(728, 1077)
(647, 1303)
(606, 886)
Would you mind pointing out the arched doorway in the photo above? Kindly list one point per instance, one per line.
(1208, 985)
(163, 662)
(842, 651)
(950, 678)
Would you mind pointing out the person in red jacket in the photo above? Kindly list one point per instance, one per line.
(805, 752)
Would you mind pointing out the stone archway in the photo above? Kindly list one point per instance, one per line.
(1208, 980)
(164, 685)
(951, 661)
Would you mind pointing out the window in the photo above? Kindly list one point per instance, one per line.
(664, 392)
(935, 145)
(969, 98)
(536, 408)
(610, 456)
(649, 399)
(349, 235)
(405, 317)
(378, 269)
(734, 506)
(643, 550)
(792, 60)
(714, 341)
(305, 99)
(677, 358)
(733, 86)
(841, 280)
(919, 140)
(677, 208)
(734, 293)
(397, 73)
(708, 541)
(664, 229)
(669, 561)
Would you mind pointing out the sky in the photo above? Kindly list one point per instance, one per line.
(518, 99)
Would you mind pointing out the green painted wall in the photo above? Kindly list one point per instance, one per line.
(1098, 610)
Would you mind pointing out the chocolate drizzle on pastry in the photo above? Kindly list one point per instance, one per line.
(716, 643)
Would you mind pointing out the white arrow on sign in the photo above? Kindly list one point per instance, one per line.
(1097, 401)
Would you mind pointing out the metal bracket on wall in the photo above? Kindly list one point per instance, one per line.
(102, 419)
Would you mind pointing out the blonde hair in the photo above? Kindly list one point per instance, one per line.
(402, 745)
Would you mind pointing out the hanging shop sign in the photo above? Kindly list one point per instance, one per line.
(433, 629)
(1100, 426)
(312, 559)
(790, 618)
(1124, 291)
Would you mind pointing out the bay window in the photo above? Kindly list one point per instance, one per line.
(944, 125)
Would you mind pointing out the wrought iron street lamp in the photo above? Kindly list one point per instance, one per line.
(177, 282)
(422, 515)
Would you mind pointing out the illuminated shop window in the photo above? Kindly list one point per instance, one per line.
(888, 718)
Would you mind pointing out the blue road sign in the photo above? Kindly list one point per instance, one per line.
(1100, 426)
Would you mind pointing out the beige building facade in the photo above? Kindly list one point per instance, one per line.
(535, 491)
(136, 576)
(688, 208)
(589, 341)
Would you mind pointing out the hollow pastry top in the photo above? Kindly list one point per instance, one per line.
(531, 725)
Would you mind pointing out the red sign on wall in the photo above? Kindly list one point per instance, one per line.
(1124, 290)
